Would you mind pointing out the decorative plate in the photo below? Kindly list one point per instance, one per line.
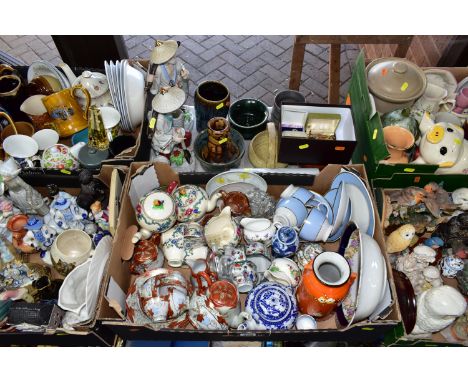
(235, 180)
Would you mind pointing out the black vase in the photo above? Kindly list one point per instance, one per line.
(212, 99)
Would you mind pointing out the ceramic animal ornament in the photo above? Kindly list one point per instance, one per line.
(91, 190)
(432, 276)
(443, 144)
(460, 197)
(400, 239)
(438, 308)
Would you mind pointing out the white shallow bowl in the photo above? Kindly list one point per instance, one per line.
(372, 277)
(46, 138)
(20, 146)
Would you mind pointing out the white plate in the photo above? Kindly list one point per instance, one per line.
(123, 96)
(116, 91)
(96, 271)
(20, 146)
(134, 86)
(235, 180)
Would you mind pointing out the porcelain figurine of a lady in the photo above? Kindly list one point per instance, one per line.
(171, 73)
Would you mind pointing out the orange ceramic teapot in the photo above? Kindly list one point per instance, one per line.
(325, 283)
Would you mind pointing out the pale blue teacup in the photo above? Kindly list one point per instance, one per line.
(290, 212)
(318, 225)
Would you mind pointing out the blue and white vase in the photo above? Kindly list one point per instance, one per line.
(285, 242)
(272, 306)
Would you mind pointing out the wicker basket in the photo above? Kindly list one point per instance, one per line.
(263, 149)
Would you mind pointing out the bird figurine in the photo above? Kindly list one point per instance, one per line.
(400, 239)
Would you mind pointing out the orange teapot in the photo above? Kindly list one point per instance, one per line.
(325, 283)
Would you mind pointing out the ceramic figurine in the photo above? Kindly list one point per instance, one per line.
(99, 216)
(400, 239)
(462, 278)
(65, 213)
(23, 196)
(321, 289)
(437, 308)
(432, 276)
(171, 72)
(271, 306)
(16, 226)
(455, 234)
(222, 230)
(155, 212)
(443, 144)
(258, 230)
(460, 197)
(191, 202)
(92, 190)
(238, 202)
(39, 235)
(437, 199)
(451, 265)
(413, 265)
(6, 207)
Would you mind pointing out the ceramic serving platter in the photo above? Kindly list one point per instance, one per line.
(236, 180)
(362, 209)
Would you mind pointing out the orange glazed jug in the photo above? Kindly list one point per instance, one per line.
(325, 283)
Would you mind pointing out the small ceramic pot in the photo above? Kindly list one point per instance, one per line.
(244, 275)
(283, 271)
(256, 248)
(248, 116)
(306, 322)
(398, 140)
(70, 249)
(258, 230)
(285, 242)
(224, 296)
(285, 96)
(212, 99)
(146, 257)
(155, 212)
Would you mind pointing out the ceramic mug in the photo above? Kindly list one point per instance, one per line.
(36, 111)
(285, 242)
(244, 275)
(22, 149)
(317, 226)
(290, 212)
(65, 111)
(303, 194)
(283, 271)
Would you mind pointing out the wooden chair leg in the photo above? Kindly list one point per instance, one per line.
(334, 74)
(296, 66)
(402, 49)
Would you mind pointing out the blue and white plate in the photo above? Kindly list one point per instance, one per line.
(362, 209)
(272, 306)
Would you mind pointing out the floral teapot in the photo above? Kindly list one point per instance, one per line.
(443, 144)
(191, 201)
(95, 83)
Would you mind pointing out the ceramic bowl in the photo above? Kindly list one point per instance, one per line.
(248, 116)
(365, 258)
(134, 85)
(71, 248)
(46, 138)
(202, 140)
(316, 227)
(58, 157)
(306, 322)
(283, 271)
(20, 146)
(285, 96)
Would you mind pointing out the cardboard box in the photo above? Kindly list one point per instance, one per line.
(398, 336)
(91, 334)
(298, 150)
(119, 279)
(371, 148)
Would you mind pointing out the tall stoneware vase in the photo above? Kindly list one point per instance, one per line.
(212, 99)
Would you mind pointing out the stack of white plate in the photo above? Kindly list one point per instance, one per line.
(127, 91)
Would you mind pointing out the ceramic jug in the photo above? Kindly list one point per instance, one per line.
(258, 230)
(191, 201)
(221, 230)
(325, 283)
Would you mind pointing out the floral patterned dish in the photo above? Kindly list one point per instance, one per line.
(58, 157)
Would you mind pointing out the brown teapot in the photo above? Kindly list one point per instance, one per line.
(238, 202)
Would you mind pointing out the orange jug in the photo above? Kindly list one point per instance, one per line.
(325, 283)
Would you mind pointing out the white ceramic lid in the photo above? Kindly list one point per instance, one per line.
(158, 205)
(96, 83)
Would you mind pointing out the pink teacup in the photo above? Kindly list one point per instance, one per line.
(461, 101)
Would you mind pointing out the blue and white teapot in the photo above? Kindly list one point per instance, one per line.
(272, 306)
